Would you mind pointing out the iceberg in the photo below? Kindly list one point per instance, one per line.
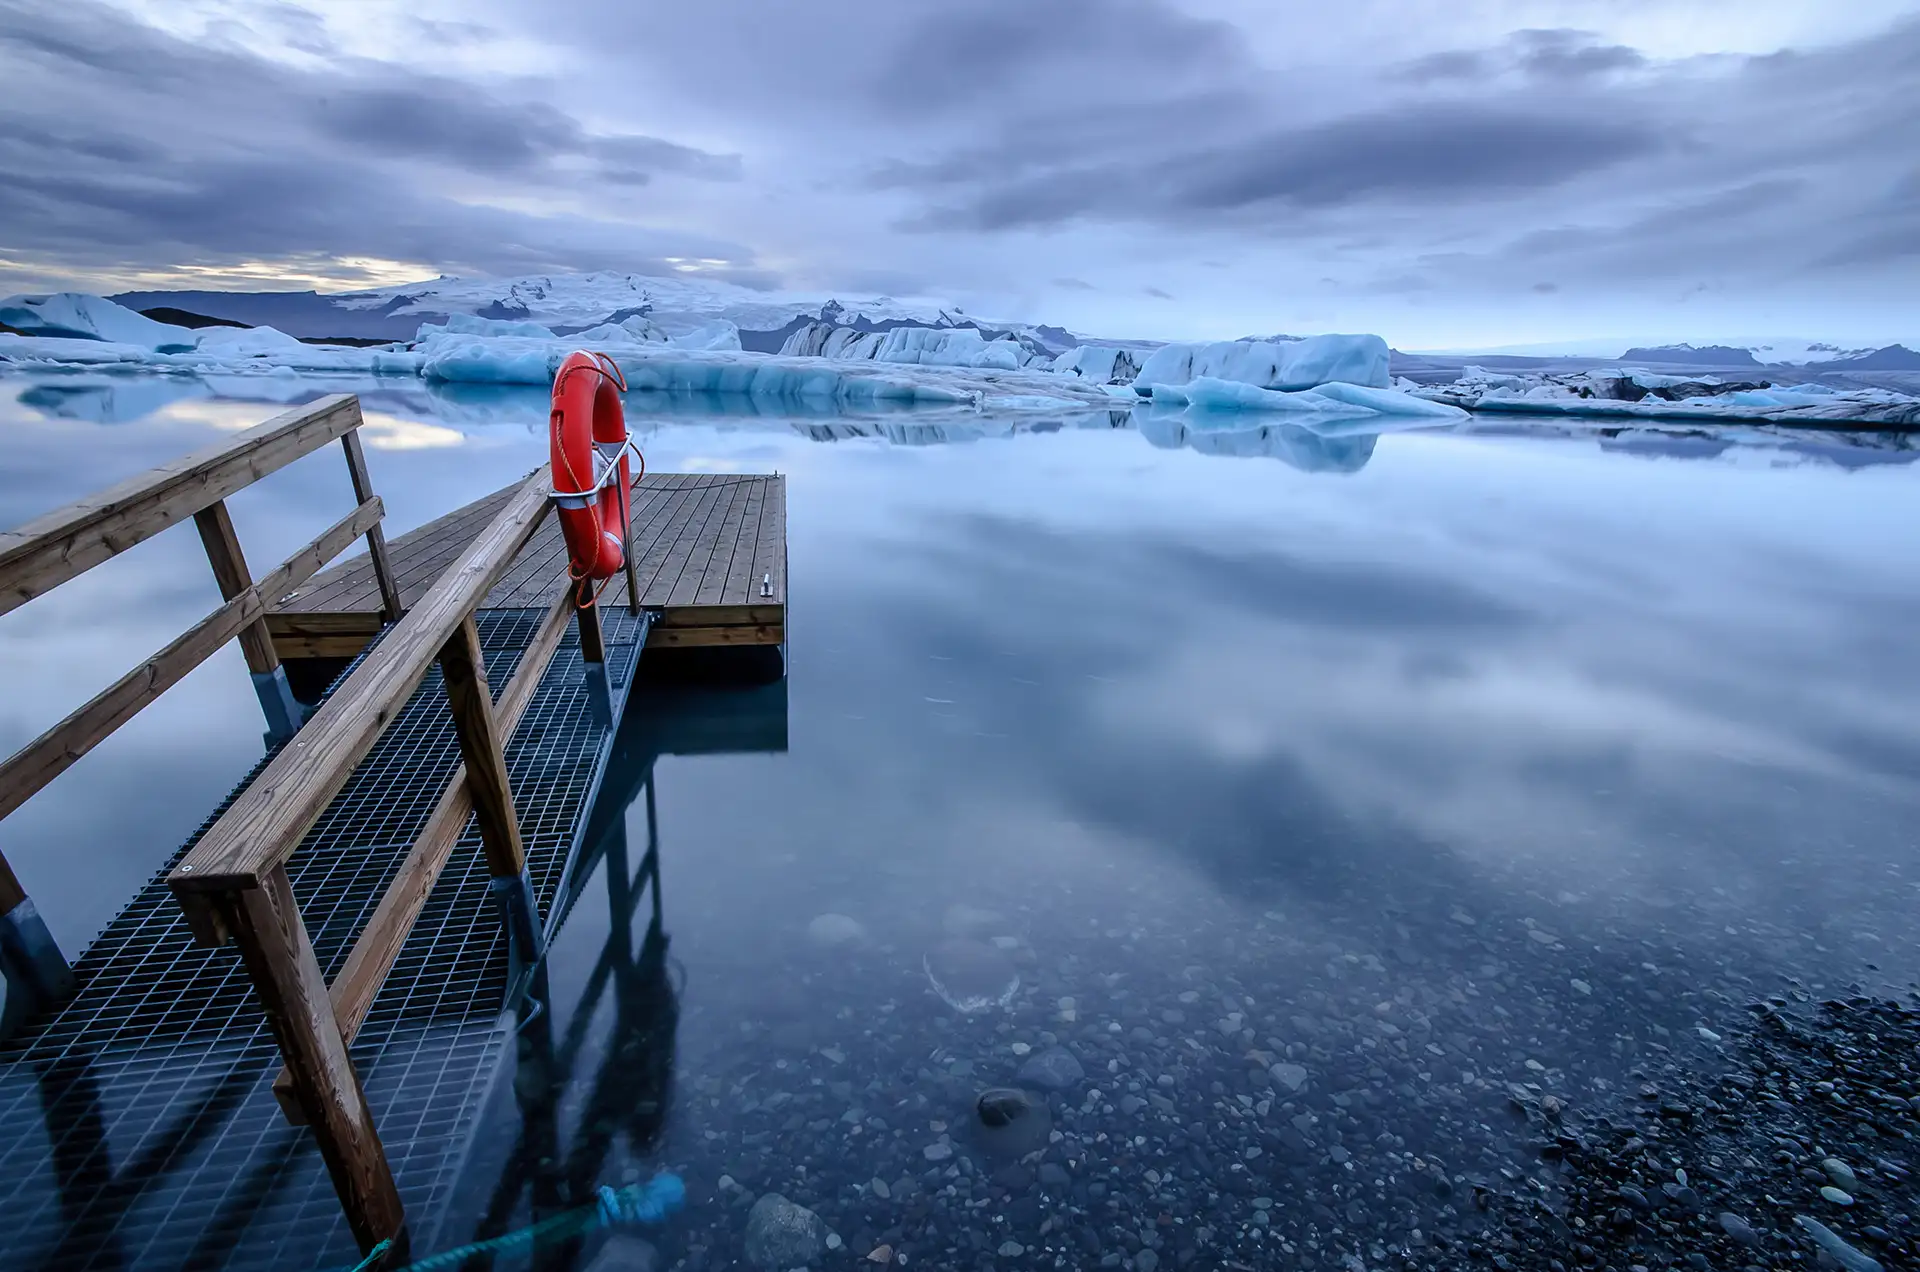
(472, 325)
(825, 340)
(79, 316)
(1102, 364)
(1632, 393)
(718, 335)
(1270, 364)
(1334, 401)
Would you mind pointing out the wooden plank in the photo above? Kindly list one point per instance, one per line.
(265, 923)
(292, 648)
(49, 550)
(661, 581)
(465, 671)
(53, 752)
(770, 554)
(230, 574)
(684, 637)
(721, 615)
(661, 532)
(264, 823)
(379, 943)
(719, 532)
(419, 556)
(376, 541)
(731, 582)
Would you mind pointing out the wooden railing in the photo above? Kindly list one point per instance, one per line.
(234, 884)
(50, 550)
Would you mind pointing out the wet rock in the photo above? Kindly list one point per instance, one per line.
(1289, 1077)
(1837, 1248)
(1010, 1123)
(1739, 1229)
(1841, 1174)
(1054, 1069)
(1836, 1196)
(782, 1234)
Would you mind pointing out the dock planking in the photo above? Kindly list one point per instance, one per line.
(710, 551)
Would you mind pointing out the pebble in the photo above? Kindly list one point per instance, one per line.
(1836, 1196)
(1581, 987)
(1840, 1173)
(880, 1189)
(1055, 1069)
(1739, 1229)
(1146, 1261)
(879, 1253)
(1011, 1249)
(1290, 1076)
(782, 1234)
(1830, 1241)
(938, 1152)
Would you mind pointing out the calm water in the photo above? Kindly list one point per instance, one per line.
(1413, 765)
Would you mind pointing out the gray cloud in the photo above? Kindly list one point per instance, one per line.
(1025, 160)
(124, 143)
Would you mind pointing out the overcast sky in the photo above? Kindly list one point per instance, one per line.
(1445, 172)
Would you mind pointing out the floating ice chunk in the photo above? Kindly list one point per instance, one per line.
(470, 325)
(1270, 364)
(1326, 402)
(76, 351)
(971, 976)
(495, 360)
(79, 316)
(631, 330)
(1387, 401)
(248, 342)
(718, 335)
(1102, 364)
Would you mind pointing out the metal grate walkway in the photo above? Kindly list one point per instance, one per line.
(138, 1127)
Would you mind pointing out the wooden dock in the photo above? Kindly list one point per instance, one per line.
(274, 1055)
(710, 550)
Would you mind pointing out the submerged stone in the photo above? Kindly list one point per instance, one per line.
(1010, 1123)
(1055, 1069)
(782, 1234)
(832, 930)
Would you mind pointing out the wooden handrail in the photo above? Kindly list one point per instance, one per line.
(378, 946)
(53, 752)
(265, 823)
(69, 541)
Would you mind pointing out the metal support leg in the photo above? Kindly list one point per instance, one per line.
(514, 895)
(599, 694)
(36, 971)
(284, 714)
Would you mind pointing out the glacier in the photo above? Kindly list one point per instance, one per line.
(1270, 364)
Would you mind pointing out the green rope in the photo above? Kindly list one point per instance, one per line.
(648, 1203)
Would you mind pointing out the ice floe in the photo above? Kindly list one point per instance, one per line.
(1630, 393)
(78, 316)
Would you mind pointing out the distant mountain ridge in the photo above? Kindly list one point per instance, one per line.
(1690, 355)
(574, 302)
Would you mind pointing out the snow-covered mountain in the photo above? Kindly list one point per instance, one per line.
(570, 302)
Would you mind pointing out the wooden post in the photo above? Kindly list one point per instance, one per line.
(481, 746)
(593, 654)
(36, 972)
(376, 538)
(461, 662)
(230, 572)
(265, 923)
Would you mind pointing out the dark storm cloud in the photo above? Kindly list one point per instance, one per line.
(1417, 153)
(126, 145)
(1556, 53)
(965, 53)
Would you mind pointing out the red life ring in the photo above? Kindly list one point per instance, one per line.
(589, 435)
